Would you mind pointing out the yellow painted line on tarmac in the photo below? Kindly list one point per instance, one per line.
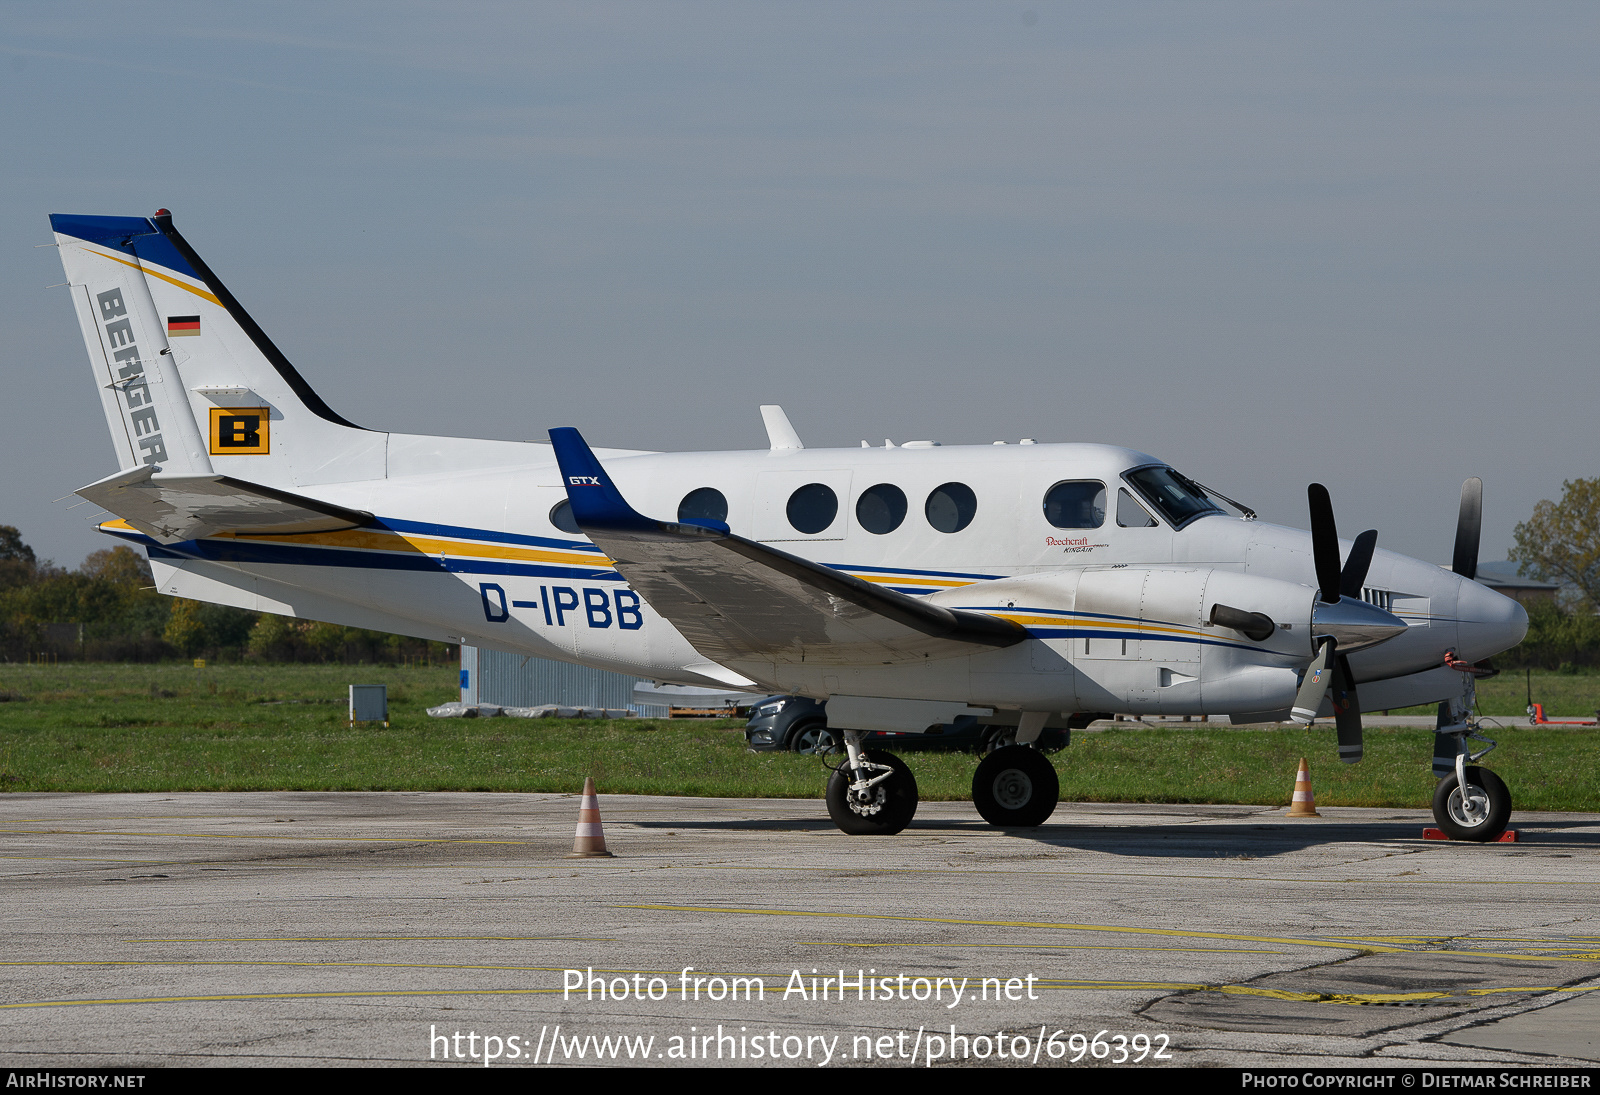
(135, 817)
(1540, 950)
(1162, 875)
(1046, 946)
(1531, 988)
(288, 962)
(1395, 939)
(265, 836)
(1574, 941)
(1174, 932)
(1349, 999)
(1540, 944)
(1177, 932)
(654, 862)
(82, 859)
(1566, 941)
(1354, 999)
(108, 818)
(369, 994)
(384, 939)
(278, 996)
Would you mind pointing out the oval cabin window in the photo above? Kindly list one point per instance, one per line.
(561, 517)
(880, 509)
(705, 504)
(812, 508)
(951, 507)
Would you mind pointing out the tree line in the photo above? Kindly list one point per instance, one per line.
(108, 609)
(1560, 543)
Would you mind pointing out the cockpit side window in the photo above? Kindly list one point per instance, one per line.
(1131, 514)
(1176, 498)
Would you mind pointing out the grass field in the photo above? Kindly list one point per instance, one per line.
(90, 727)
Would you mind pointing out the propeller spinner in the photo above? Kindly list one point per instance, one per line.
(1341, 622)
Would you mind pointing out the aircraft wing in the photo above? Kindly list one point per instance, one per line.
(173, 508)
(734, 598)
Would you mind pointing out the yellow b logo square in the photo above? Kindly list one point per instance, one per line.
(240, 431)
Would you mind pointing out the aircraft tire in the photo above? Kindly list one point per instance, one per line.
(1015, 787)
(894, 800)
(1484, 817)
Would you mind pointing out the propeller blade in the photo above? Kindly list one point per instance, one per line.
(1469, 526)
(1354, 575)
(1324, 542)
(1314, 685)
(1346, 711)
(1253, 625)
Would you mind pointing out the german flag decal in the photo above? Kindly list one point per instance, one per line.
(179, 326)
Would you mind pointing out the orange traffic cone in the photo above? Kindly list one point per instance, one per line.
(590, 839)
(1305, 803)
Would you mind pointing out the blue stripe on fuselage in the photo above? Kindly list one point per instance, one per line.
(916, 573)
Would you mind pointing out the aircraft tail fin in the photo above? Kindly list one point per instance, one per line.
(190, 383)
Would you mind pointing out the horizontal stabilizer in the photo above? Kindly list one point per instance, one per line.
(173, 508)
(734, 598)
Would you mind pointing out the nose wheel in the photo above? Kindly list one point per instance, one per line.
(1015, 787)
(1469, 803)
(1478, 809)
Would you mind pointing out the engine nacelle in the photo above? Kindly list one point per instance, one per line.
(1144, 640)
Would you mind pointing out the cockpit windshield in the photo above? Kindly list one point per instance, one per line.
(1178, 499)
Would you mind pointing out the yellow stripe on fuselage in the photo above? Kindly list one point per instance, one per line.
(902, 580)
(1133, 626)
(384, 540)
(373, 540)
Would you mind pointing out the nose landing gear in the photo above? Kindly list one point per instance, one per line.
(1469, 803)
(1475, 808)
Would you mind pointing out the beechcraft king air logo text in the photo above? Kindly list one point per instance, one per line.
(240, 431)
(129, 379)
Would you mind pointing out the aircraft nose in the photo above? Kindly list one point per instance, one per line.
(1489, 622)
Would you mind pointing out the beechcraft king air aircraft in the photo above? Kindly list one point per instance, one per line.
(1021, 585)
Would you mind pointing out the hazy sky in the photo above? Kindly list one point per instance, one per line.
(1270, 243)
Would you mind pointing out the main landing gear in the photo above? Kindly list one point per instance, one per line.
(873, 793)
(1015, 787)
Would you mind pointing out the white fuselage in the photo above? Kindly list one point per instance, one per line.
(1117, 615)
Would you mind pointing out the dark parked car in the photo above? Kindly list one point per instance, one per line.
(800, 725)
